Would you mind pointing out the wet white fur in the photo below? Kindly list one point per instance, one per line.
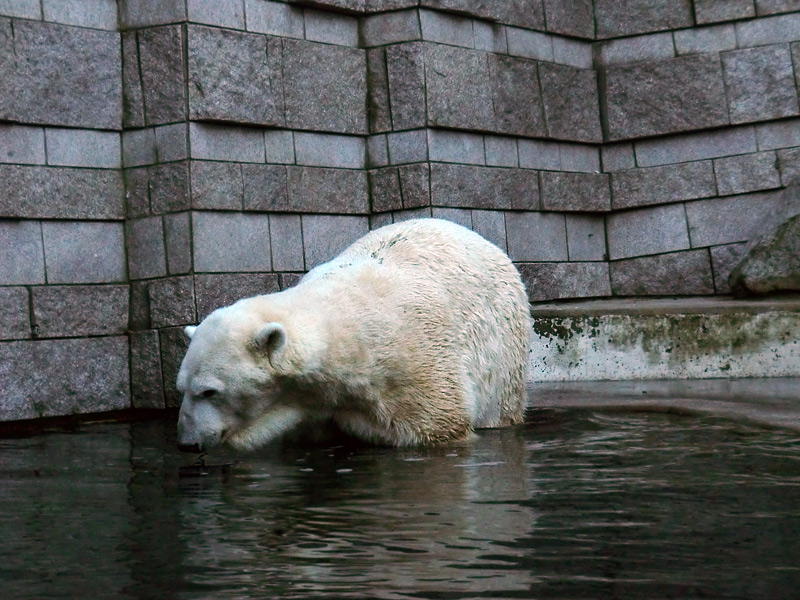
(415, 334)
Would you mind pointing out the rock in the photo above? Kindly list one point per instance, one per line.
(771, 259)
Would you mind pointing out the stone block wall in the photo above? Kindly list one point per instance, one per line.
(162, 158)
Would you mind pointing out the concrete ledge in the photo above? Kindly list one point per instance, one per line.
(686, 338)
(769, 402)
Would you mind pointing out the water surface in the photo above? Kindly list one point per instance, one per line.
(575, 504)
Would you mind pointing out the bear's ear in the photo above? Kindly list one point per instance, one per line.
(270, 341)
(189, 330)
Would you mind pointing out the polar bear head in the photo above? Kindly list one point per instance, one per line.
(229, 379)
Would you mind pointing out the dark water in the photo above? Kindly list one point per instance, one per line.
(575, 504)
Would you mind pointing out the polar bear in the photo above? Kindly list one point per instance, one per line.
(416, 334)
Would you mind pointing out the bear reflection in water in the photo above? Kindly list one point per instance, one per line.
(415, 335)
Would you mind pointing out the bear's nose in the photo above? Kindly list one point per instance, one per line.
(193, 448)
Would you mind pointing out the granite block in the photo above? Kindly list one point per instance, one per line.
(557, 281)
(415, 185)
(223, 289)
(47, 378)
(771, 7)
(769, 30)
(79, 310)
(309, 67)
(515, 97)
(536, 236)
(145, 13)
(443, 28)
(617, 157)
(172, 142)
(586, 237)
(172, 301)
(21, 253)
(781, 134)
(379, 113)
(390, 28)
(325, 150)
(61, 193)
(325, 236)
(539, 154)
(405, 65)
(717, 221)
(705, 39)
(331, 28)
(84, 252)
(217, 185)
(760, 84)
(173, 345)
(139, 316)
(384, 189)
(60, 75)
(223, 13)
(224, 142)
(138, 147)
(696, 146)
(162, 65)
(274, 18)
(454, 146)
(501, 151)
(178, 240)
(24, 9)
(789, 163)
(235, 77)
(641, 48)
(288, 280)
(575, 18)
(414, 213)
(459, 92)
(146, 252)
(484, 187)
(715, 11)
(312, 189)
(574, 53)
(286, 238)
(655, 275)
(137, 192)
(376, 221)
(661, 97)
(490, 37)
(97, 14)
(407, 146)
(280, 146)
(491, 224)
(460, 216)
(747, 173)
(524, 13)
(579, 158)
(616, 18)
(661, 185)
(265, 187)
(723, 260)
(647, 231)
(586, 192)
(230, 242)
(169, 187)
(529, 44)
(378, 151)
(22, 145)
(147, 386)
(15, 319)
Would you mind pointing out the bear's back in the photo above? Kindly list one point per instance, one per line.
(441, 273)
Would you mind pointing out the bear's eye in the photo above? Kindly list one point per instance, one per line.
(208, 393)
